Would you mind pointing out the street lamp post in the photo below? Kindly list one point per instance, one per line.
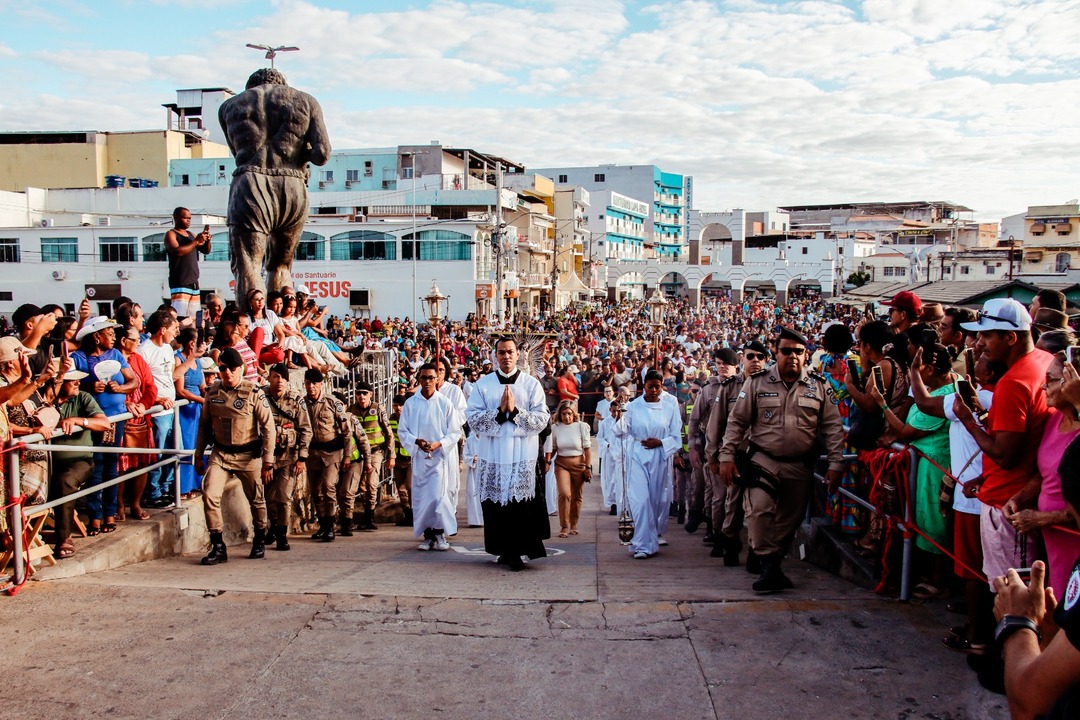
(657, 306)
(435, 308)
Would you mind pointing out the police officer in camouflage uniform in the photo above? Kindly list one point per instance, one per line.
(359, 465)
(728, 518)
(381, 440)
(290, 454)
(402, 469)
(327, 458)
(781, 411)
(237, 421)
(704, 484)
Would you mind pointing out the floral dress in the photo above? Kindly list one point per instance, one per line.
(847, 514)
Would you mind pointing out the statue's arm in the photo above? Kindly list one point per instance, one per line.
(318, 138)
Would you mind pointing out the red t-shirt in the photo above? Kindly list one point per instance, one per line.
(1019, 406)
(567, 388)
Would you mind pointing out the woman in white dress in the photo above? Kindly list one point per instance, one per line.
(656, 429)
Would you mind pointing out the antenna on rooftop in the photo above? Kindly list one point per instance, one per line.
(271, 52)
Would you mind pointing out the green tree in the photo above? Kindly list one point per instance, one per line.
(858, 278)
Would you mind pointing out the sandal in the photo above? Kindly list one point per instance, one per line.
(573, 531)
(93, 530)
(66, 550)
(140, 514)
(108, 527)
(563, 533)
(925, 591)
(963, 645)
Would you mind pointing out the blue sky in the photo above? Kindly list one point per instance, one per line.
(765, 103)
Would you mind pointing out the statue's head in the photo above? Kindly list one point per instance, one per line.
(265, 76)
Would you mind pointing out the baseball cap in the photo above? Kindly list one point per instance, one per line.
(24, 313)
(1001, 314)
(907, 301)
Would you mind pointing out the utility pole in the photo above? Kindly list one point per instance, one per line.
(500, 228)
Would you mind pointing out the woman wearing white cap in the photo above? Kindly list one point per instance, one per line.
(109, 379)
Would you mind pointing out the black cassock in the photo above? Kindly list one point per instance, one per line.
(521, 526)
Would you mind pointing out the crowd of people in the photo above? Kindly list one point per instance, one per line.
(719, 422)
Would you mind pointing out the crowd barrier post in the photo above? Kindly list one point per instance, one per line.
(36, 441)
(909, 537)
(15, 518)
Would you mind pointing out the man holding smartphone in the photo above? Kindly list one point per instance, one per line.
(182, 247)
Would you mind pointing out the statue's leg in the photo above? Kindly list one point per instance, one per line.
(280, 248)
(248, 248)
(291, 195)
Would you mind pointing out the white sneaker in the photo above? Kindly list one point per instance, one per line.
(662, 541)
(440, 543)
(640, 555)
(426, 545)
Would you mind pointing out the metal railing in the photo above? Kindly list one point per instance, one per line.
(35, 441)
(909, 504)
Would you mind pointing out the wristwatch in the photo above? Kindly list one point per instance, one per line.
(1014, 623)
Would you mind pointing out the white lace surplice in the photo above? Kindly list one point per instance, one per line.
(506, 470)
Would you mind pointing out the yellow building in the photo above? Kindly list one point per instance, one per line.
(82, 159)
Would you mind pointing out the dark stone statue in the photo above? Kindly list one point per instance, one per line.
(274, 131)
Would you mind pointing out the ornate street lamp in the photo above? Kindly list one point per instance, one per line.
(435, 309)
(657, 307)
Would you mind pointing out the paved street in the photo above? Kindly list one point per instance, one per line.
(369, 627)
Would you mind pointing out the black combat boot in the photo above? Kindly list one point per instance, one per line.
(282, 537)
(270, 534)
(369, 520)
(719, 548)
(406, 519)
(346, 527)
(732, 548)
(692, 522)
(682, 514)
(320, 534)
(258, 544)
(328, 535)
(772, 578)
(753, 562)
(218, 553)
(673, 510)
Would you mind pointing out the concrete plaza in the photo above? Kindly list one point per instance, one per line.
(369, 627)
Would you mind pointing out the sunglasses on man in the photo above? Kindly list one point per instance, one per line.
(787, 351)
(753, 356)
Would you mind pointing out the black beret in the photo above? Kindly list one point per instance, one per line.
(756, 346)
(230, 358)
(281, 369)
(727, 356)
(789, 334)
(313, 375)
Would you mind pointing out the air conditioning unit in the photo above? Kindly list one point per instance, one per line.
(360, 299)
(46, 223)
(322, 184)
(123, 274)
(350, 183)
(59, 275)
(104, 221)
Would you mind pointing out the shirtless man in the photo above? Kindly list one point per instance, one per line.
(274, 131)
(183, 248)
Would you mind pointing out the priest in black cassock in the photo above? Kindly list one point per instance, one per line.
(507, 412)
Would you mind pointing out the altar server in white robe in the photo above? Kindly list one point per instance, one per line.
(471, 459)
(429, 427)
(656, 428)
(612, 467)
(455, 395)
(507, 412)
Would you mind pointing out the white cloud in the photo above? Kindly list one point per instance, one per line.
(764, 103)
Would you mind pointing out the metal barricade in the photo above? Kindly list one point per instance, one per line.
(376, 367)
(36, 441)
(909, 504)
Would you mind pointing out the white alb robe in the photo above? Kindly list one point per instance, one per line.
(648, 471)
(472, 494)
(506, 470)
(434, 419)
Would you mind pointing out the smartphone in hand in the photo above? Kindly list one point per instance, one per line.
(879, 379)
